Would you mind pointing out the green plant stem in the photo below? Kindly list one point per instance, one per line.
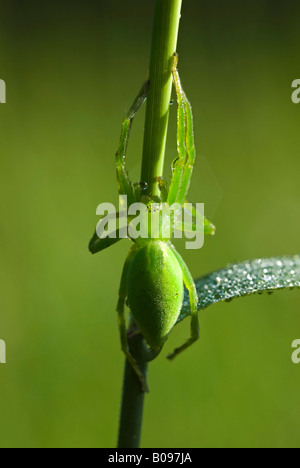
(164, 42)
(132, 400)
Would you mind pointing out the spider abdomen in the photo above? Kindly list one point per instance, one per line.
(155, 291)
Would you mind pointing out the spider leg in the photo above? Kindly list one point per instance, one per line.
(191, 151)
(163, 188)
(190, 285)
(185, 141)
(122, 322)
(124, 183)
(179, 163)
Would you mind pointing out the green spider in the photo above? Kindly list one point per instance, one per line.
(154, 274)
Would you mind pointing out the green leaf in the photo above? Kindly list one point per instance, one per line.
(243, 279)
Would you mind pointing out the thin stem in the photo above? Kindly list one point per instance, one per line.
(164, 42)
(132, 400)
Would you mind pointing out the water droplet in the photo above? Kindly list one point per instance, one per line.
(141, 185)
(229, 299)
(267, 278)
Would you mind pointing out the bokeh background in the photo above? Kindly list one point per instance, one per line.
(72, 69)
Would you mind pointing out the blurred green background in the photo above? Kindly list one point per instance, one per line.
(72, 69)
